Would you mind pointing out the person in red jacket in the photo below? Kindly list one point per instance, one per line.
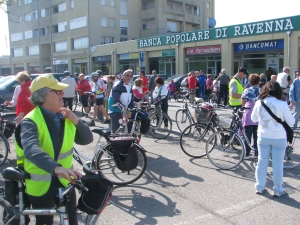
(23, 106)
(192, 85)
(83, 86)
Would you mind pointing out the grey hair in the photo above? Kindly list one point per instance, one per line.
(285, 68)
(38, 97)
(223, 71)
(127, 71)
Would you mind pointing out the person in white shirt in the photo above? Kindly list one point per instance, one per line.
(69, 92)
(99, 89)
(161, 92)
(271, 136)
(284, 78)
(14, 99)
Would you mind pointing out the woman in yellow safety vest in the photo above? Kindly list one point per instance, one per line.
(44, 142)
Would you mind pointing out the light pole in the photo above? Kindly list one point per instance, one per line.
(54, 65)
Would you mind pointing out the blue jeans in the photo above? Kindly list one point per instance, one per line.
(202, 91)
(296, 113)
(114, 121)
(266, 146)
(251, 130)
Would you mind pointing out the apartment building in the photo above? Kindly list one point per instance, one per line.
(56, 35)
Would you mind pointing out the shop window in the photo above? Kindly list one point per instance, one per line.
(254, 56)
(255, 65)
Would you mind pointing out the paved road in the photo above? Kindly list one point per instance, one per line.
(177, 189)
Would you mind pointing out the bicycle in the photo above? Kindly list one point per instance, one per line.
(15, 214)
(103, 162)
(176, 95)
(75, 101)
(183, 116)
(157, 118)
(225, 148)
(193, 138)
(132, 125)
(4, 145)
(213, 98)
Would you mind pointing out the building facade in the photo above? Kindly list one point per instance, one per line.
(55, 35)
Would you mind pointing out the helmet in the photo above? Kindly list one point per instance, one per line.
(95, 74)
(99, 72)
(76, 74)
(67, 72)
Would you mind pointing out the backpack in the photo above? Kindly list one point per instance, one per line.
(124, 152)
(98, 195)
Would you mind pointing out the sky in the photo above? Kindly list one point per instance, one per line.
(227, 12)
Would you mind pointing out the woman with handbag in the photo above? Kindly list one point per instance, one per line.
(272, 135)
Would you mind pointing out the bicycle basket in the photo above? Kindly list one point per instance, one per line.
(202, 114)
(96, 198)
(9, 129)
(224, 122)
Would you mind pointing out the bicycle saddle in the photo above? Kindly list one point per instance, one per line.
(198, 100)
(12, 173)
(102, 132)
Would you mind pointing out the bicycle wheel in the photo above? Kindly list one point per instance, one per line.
(182, 119)
(105, 164)
(4, 149)
(160, 131)
(6, 211)
(75, 102)
(225, 150)
(193, 139)
(213, 98)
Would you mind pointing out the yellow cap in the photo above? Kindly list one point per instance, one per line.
(46, 80)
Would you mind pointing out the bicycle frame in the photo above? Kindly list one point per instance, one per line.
(61, 210)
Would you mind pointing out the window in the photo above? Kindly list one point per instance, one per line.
(45, 31)
(28, 1)
(102, 2)
(148, 24)
(124, 27)
(60, 46)
(31, 16)
(20, 19)
(103, 22)
(62, 27)
(77, 23)
(31, 33)
(80, 43)
(197, 10)
(188, 9)
(72, 4)
(169, 6)
(112, 3)
(172, 27)
(59, 8)
(33, 50)
(16, 36)
(208, 5)
(62, 7)
(18, 52)
(148, 5)
(103, 40)
(111, 40)
(44, 12)
(112, 23)
(123, 39)
(123, 7)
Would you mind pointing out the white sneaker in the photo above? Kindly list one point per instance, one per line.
(279, 194)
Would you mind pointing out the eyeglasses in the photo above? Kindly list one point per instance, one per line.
(129, 75)
(58, 92)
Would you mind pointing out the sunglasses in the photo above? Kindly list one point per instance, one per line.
(58, 92)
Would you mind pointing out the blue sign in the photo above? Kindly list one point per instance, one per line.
(259, 46)
(141, 60)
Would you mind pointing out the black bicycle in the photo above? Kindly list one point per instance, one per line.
(6, 130)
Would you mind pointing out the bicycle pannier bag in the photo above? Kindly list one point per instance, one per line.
(9, 129)
(124, 152)
(145, 125)
(128, 161)
(11, 191)
(96, 198)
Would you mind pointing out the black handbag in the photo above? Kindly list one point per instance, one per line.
(289, 131)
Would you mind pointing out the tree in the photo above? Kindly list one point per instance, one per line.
(4, 3)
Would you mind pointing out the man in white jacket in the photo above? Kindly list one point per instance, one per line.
(69, 92)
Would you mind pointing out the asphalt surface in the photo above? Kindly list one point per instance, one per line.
(177, 189)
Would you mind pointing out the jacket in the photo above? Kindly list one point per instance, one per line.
(83, 86)
(295, 91)
(152, 82)
(24, 105)
(117, 93)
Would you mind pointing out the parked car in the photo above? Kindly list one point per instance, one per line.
(177, 80)
(7, 88)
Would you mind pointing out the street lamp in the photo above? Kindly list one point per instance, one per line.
(54, 65)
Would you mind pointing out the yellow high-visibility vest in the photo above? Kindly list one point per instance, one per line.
(240, 89)
(40, 180)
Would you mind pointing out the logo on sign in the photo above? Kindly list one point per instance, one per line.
(241, 46)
